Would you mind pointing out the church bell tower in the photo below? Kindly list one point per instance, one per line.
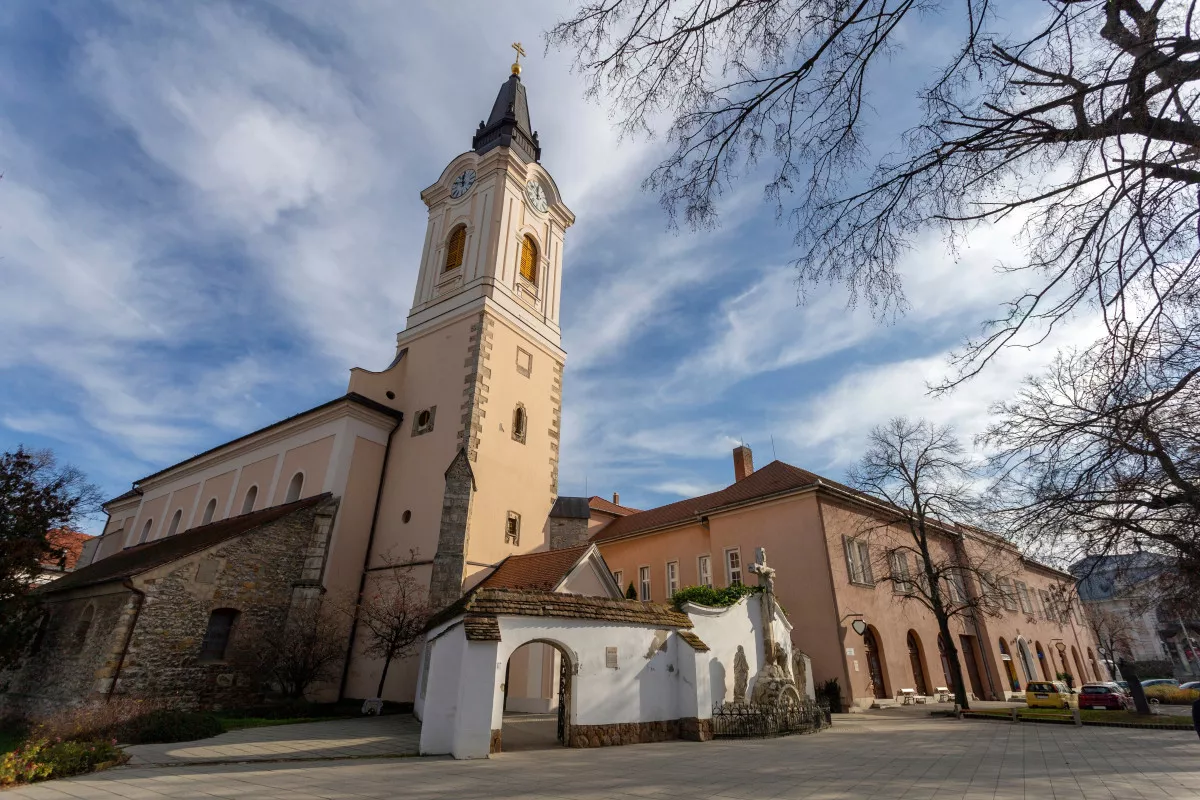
(479, 365)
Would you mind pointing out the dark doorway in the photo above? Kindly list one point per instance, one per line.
(918, 670)
(874, 664)
(537, 698)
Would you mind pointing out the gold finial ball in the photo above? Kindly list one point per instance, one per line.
(516, 68)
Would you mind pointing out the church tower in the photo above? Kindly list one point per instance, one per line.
(471, 476)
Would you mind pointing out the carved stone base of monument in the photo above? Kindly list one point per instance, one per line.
(372, 707)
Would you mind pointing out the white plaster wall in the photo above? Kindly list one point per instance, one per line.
(723, 629)
(640, 689)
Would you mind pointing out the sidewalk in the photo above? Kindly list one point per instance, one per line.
(392, 735)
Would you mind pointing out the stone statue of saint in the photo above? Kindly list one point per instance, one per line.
(782, 660)
(799, 671)
(741, 675)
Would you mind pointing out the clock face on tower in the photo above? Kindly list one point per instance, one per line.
(463, 183)
(536, 195)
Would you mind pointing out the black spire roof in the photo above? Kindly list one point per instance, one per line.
(508, 125)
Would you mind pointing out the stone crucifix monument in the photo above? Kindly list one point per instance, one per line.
(772, 685)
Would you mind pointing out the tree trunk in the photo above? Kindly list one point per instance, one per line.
(387, 662)
(1140, 703)
(956, 672)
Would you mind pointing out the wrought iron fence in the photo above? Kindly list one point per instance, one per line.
(751, 720)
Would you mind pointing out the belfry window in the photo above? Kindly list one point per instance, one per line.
(455, 246)
(529, 256)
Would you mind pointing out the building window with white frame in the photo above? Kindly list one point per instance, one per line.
(901, 577)
(672, 578)
(858, 561)
(619, 577)
(733, 566)
(704, 570)
(1023, 597)
(644, 583)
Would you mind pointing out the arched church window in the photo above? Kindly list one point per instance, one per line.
(209, 511)
(216, 637)
(294, 488)
(519, 423)
(251, 497)
(455, 245)
(174, 528)
(529, 254)
(145, 531)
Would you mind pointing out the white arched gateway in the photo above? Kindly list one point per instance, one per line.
(631, 671)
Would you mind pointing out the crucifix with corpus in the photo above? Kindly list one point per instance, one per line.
(766, 580)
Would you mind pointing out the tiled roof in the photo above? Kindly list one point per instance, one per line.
(66, 546)
(135, 560)
(774, 478)
(600, 504)
(497, 602)
(542, 571)
(694, 641)
(482, 629)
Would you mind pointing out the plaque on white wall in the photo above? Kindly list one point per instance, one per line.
(610, 657)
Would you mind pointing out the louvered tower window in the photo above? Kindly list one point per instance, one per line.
(529, 259)
(454, 248)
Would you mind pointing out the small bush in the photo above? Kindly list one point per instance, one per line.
(42, 759)
(712, 597)
(831, 693)
(129, 721)
(1172, 695)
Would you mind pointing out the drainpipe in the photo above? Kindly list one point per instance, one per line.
(139, 601)
(362, 581)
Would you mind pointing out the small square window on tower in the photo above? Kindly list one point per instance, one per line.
(512, 528)
(524, 362)
(423, 420)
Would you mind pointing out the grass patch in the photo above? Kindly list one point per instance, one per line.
(1088, 715)
(239, 723)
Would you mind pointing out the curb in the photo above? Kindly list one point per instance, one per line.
(1086, 723)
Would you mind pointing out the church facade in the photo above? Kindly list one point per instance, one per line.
(447, 460)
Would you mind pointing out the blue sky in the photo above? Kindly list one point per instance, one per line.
(209, 213)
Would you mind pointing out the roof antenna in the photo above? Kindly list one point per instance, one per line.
(773, 448)
(585, 494)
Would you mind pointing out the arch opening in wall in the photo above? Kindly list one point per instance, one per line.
(295, 487)
(538, 679)
(456, 245)
(1010, 671)
(875, 663)
(1047, 667)
(209, 511)
(1080, 675)
(145, 534)
(173, 528)
(250, 499)
(520, 423)
(916, 659)
(529, 259)
(216, 637)
(1096, 674)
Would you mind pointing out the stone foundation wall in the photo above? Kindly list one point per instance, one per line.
(624, 733)
(495, 746)
(694, 729)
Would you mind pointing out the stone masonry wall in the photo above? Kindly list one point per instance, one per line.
(66, 667)
(256, 573)
(565, 532)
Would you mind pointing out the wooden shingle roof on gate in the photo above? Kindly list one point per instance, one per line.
(483, 603)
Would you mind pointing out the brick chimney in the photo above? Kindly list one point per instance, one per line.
(743, 462)
(616, 499)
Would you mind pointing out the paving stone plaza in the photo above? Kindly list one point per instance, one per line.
(878, 756)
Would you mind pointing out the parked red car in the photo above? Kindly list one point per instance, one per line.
(1103, 696)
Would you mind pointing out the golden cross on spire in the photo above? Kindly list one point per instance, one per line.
(516, 67)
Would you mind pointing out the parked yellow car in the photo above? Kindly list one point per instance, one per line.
(1047, 694)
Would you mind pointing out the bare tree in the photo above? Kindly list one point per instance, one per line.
(307, 649)
(1101, 455)
(394, 616)
(922, 471)
(1080, 124)
(1114, 632)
